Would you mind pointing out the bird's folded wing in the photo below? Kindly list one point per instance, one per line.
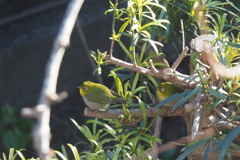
(98, 98)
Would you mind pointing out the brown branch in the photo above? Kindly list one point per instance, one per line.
(152, 67)
(221, 125)
(157, 131)
(184, 50)
(136, 113)
(180, 58)
(167, 74)
(191, 106)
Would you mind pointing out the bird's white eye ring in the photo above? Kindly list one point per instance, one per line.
(85, 88)
(162, 89)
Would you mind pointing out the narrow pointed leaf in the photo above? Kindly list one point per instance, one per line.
(185, 99)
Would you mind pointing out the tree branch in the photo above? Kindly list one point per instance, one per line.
(184, 50)
(136, 113)
(48, 95)
(168, 74)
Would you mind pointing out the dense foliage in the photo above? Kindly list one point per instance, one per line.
(151, 23)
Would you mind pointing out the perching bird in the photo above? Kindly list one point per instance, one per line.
(97, 96)
(165, 90)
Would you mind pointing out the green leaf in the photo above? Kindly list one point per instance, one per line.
(152, 138)
(157, 5)
(191, 147)
(144, 112)
(153, 80)
(123, 27)
(64, 151)
(125, 50)
(134, 42)
(11, 153)
(110, 129)
(135, 142)
(138, 89)
(225, 143)
(216, 93)
(118, 149)
(205, 156)
(74, 151)
(118, 83)
(185, 99)
(61, 155)
(151, 56)
(21, 155)
(4, 156)
(216, 103)
(222, 22)
(84, 129)
(174, 97)
(233, 44)
(156, 23)
(134, 84)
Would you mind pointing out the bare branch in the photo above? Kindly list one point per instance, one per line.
(221, 125)
(48, 95)
(184, 50)
(157, 131)
(196, 121)
(167, 74)
(180, 58)
(136, 113)
(152, 67)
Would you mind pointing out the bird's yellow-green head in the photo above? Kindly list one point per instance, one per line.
(165, 90)
(97, 96)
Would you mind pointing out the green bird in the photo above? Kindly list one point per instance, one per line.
(165, 90)
(97, 96)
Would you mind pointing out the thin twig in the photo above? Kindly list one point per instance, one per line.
(184, 50)
(183, 35)
(86, 48)
(221, 115)
(113, 29)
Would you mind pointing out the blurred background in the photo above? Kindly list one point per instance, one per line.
(27, 32)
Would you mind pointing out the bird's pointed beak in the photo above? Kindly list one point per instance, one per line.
(78, 87)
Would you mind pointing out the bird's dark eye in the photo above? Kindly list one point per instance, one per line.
(162, 89)
(85, 88)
